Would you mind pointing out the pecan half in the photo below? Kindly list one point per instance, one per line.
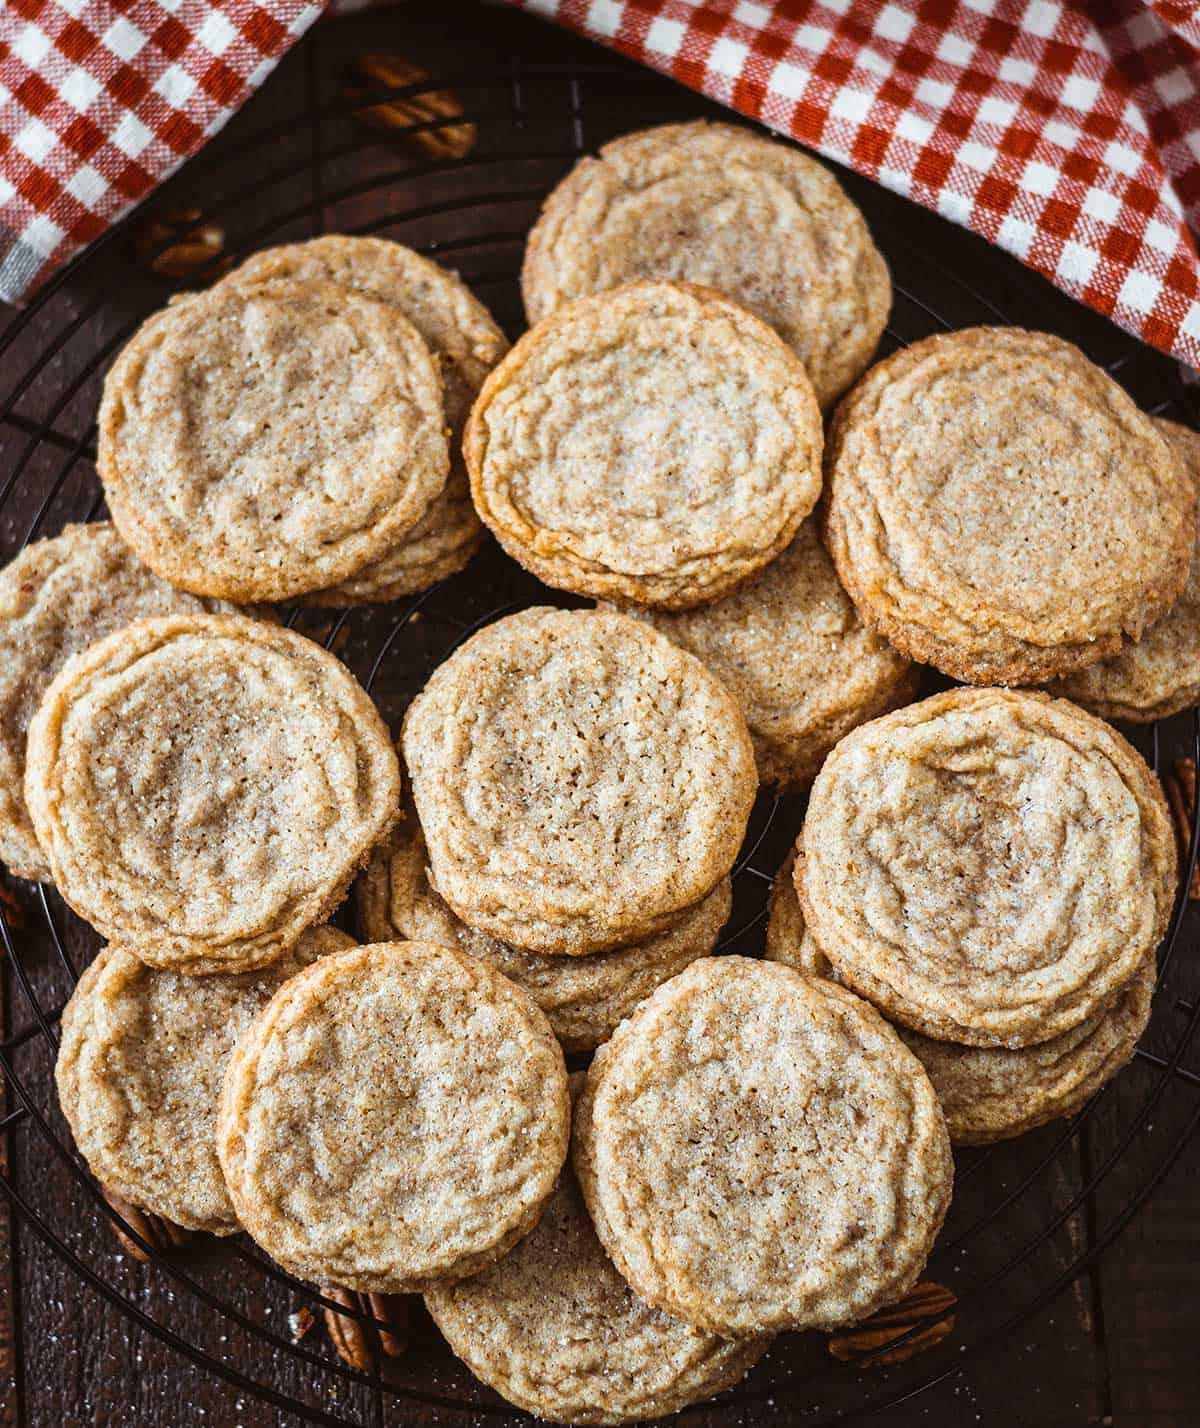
(162, 1235)
(178, 243)
(926, 1308)
(370, 73)
(350, 1335)
(1180, 787)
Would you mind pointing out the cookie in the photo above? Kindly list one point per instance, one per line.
(654, 445)
(990, 1093)
(467, 343)
(792, 650)
(987, 866)
(555, 1329)
(580, 780)
(583, 997)
(398, 1114)
(999, 507)
(759, 1151)
(1159, 675)
(56, 598)
(264, 439)
(139, 1073)
(204, 788)
(759, 221)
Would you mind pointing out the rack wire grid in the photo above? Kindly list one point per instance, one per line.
(1009, 1247)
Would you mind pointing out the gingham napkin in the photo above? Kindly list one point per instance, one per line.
(1067, 134)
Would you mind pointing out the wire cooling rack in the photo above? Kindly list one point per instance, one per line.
(1009, 1247)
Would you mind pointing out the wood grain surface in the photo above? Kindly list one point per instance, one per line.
(1040, 1342)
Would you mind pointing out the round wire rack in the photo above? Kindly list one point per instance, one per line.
(1006, 1250)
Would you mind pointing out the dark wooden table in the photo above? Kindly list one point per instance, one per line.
(1119, 1344)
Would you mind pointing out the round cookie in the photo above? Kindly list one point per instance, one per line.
(467, 343)
(759, 1151)
(139, 1074)
(56, 598)
(991, 1093)
(757, 220)
(204, 788)
(555, 1329)
(653, 445)
(987, 866)
(791, 649)
(264, 439)
(1159, 675)
(583, 997)
(1000, 508)
(398, 1114)
(580, 780)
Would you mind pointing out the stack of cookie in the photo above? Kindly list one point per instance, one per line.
(581, 789)
(994, 871)
(960, 947)
(294, 431)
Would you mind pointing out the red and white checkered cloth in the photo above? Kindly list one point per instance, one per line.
(1068, 134)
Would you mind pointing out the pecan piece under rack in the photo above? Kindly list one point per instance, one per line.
(370, 73)
(351, 1335)
(162, 1235)
(1180, 787)
(926, 1308)
(178, 243)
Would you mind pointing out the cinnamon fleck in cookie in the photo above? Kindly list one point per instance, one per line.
(758, 1151)
(556, 1330)
(56, 598)
(1000, 508)
(987, 866)
(583, 997)
(398, 1114)
(204, 788)
(463, 337)
(139, 1073)
(991, 1093)
(653, 445)
(264, 439)
(581, 781)
(791, 649)
(1158, 675)
(710, 203)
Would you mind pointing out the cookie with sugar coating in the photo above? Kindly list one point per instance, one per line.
(205, 787)
(1000, 508)
(653, 445)
(758, 1151)
(260, 440)
(581, 781)
(398, 1114)
(987, 866)
(466, 343)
